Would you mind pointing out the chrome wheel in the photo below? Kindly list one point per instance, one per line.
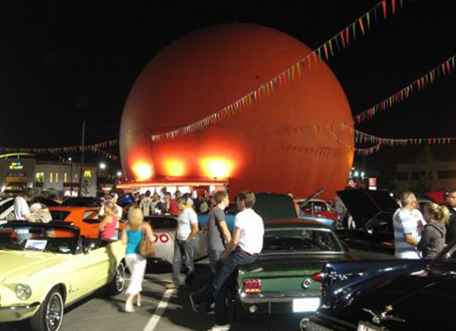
(120, 278)
(54, 312)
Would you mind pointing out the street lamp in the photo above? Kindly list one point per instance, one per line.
(102, 166)
(119, 174)
(71, 176)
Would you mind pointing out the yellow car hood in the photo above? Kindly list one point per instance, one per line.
(15, 265)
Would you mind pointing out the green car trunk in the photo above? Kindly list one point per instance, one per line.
(285, 281)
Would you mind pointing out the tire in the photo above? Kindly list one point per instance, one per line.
(49, 316)
(118, 283)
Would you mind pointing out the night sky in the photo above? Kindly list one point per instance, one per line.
(62, 62)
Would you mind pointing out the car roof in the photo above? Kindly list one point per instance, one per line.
(293, 223)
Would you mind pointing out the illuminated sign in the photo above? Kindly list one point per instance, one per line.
(17, 165)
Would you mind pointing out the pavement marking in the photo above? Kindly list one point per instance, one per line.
(162, 305)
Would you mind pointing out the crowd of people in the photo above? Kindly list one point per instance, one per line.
(423, 234)
(417, 234)
(226, 249)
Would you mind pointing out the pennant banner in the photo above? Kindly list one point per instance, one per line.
(98, 148)
(369, 150)
(343, 38)
(361, 137)
(443, 69)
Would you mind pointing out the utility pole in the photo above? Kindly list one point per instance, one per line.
(81, 172)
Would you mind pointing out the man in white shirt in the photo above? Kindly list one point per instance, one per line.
(146, 204)
(22, 213)
(408, 224)
(245, 246)
(187, 229)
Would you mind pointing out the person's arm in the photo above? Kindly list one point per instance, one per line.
(451, 234)
(233, 242)
(149, 232)
(410, 239)
(123, 236)
(225, 231)
(194, 225)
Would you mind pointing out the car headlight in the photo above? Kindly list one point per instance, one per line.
(23, 292)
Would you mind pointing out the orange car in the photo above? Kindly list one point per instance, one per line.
(85, 218)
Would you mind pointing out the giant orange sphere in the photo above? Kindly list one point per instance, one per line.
(295, 140)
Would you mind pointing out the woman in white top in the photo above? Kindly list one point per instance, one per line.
(187, 229)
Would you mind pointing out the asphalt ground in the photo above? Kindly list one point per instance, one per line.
(161, 310)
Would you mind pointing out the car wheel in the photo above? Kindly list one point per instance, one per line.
(117, 284)
(49, 316)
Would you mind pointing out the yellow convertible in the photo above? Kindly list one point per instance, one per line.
(46, 267)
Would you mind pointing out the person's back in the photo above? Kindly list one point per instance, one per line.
(251, 227)
(134, 238)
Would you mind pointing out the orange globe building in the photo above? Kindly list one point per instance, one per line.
(295, 140)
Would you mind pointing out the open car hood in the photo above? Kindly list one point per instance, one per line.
(365, 205)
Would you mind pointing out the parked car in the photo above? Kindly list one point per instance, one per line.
(82, 202)
(85, 218)
(389, 295)
(372, 212)
(165, 227)
(285, 279)
(53, 269)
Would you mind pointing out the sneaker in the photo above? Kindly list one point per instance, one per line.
(129, 308)
(171, 286)
(225, 327)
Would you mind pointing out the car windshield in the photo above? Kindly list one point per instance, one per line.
(33, 238)
(300, 240)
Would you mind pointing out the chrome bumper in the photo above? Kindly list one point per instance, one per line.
(17, 313)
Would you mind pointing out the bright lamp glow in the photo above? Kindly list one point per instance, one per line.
(102, 165)
(214, 167)
(142, 170)
(174, 167)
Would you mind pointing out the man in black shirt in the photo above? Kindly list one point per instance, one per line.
(218, 235)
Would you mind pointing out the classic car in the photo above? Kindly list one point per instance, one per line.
(6, 208)
(372, 212)
(53, 269)
(85, 218)
(389, 295)
(285, 280)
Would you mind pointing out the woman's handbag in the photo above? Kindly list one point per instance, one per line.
(146, 247)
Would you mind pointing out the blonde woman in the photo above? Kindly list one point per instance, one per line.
(109, 222)
(433, 237)
(132, 235)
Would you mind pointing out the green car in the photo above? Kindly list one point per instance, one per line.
(285, 279)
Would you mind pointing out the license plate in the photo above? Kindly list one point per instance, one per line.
(305, 305)
(366, 326)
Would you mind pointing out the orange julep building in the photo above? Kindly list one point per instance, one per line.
(296, 139)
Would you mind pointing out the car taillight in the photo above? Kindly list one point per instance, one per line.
(318, 277)
(252, 286)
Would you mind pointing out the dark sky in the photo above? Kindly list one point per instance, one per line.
(65, 61)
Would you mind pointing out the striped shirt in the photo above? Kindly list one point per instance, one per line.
(409, 222)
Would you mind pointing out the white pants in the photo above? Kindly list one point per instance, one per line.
(137, 266)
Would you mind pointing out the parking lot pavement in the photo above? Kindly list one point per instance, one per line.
(162, 310)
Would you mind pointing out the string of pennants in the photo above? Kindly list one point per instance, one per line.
(363, 138)
(445, 68)
(95, 148)
(368, 150)
(359, 27)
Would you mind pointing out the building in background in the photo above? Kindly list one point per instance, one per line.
(59, 178)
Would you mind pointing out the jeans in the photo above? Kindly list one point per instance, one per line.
(235, 259)
(183, 255)
(22, 235)
(214, 260)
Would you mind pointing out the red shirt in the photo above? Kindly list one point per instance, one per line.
(173, 208)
